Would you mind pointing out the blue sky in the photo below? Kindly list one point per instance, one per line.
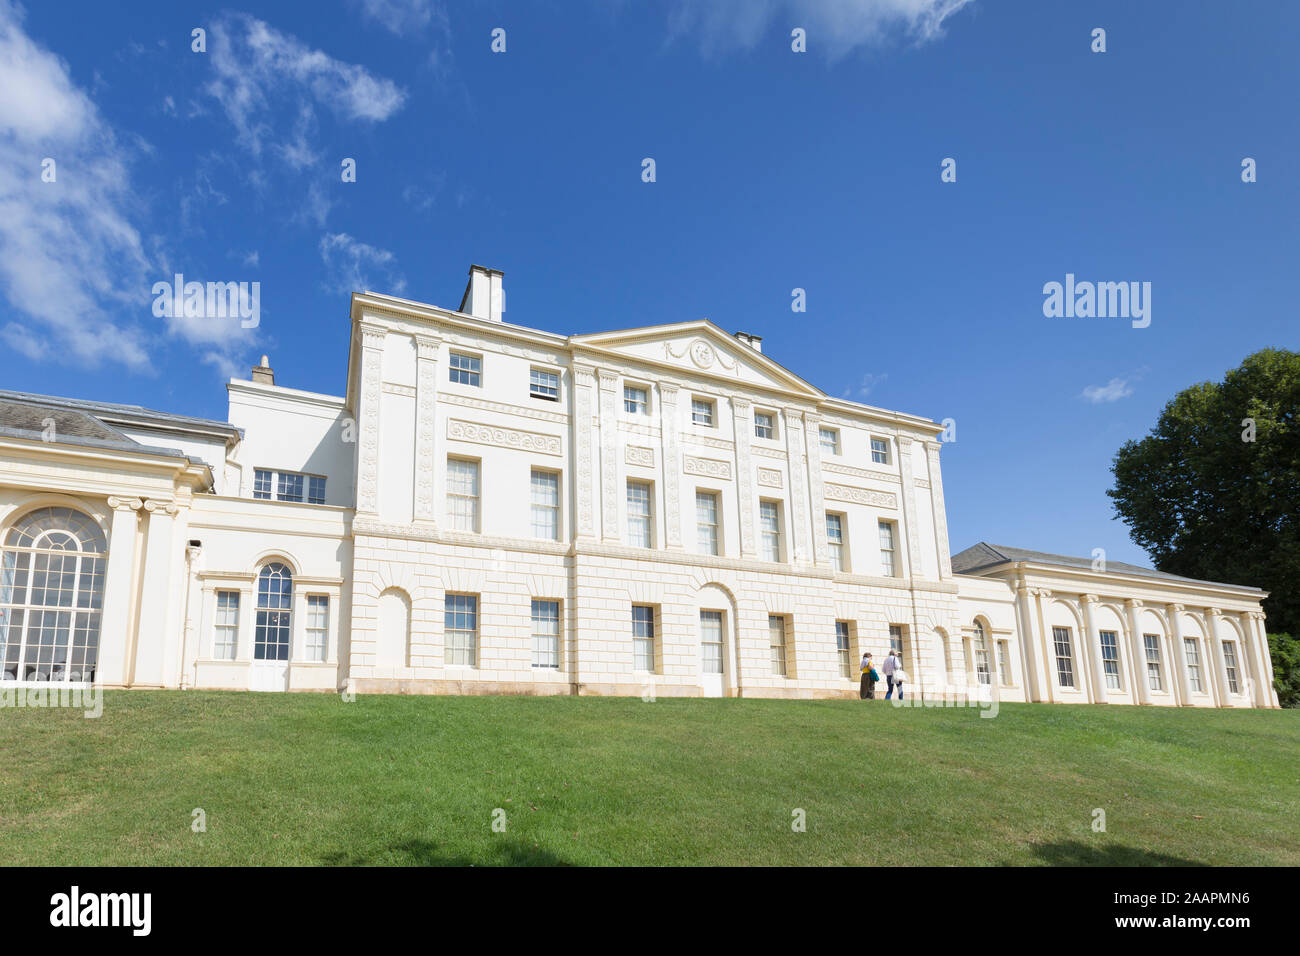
(775, 170)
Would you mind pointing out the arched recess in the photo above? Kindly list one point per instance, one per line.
(393, 634)
(715, 596)
(52, 563)
(1065, 613)
(1165, 679)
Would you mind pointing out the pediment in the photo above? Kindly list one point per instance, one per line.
(699, 348)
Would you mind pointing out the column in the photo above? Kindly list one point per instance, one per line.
(1028, 641)
(1137, 653)
(908, 494)
(1048, 644)
(609, 456)
(152, 637)
(801, 549)
(583, 410)
(1093, 643)
(671, 474)
(940, 512)
(1220, 664)
(742, 423)
(426, 414)
(193, 611)
(817, 495)
(247, 620)
(1268, 693)
(115, 620)
(372, 353)
(1175, 612)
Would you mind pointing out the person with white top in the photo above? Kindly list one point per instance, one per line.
(890, 665)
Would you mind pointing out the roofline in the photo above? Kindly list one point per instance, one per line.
(98, 448)
(131, 415)
(1022, 567)
(580, 341)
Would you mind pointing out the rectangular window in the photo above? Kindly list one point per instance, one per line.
(546, 504)
(643, 638)
(460, 629)
(842, 648)
(702, 411)
(465, 369)
(880, 451)
(1230, 665)
(640, 520)
(830, 440)
(835, 540)
(543, 384)
(288, 487)
(982, 667)
(764, 426)
(888, 565)
(318, 626)
(261, 484)
(462, 494)
(1152, 644)
(769, 520)
(711, 642)
(546, 633)
(1193, 651)
(315, 490)
(776, 642)
(226, 636)
(1064, 656)
(1110, 658)
(706, 522)
(636, 400)
(1004, 663)
(896, 638)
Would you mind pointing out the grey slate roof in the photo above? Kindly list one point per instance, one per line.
(76, 422)
(984, 556)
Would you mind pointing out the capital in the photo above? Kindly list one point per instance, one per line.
(125, 504)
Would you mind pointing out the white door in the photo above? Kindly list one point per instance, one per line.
(713, 653)
(273, 625)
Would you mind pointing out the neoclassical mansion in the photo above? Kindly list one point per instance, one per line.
(489, 508)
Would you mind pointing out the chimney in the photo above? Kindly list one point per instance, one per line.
(484, 296)
(755, 342)
(264, 373)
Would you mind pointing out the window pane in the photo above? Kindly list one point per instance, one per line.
(460, 629)
(261, 484)
(543, 384)
(643, 638)
(763, 427)
(462, 494)
(711, 642)
(830, 440)
(316, 490)
(465, 369)
(635, 400)
(1064, 656)
(880, 451)
(639, 527)
(776, 643)
(701, 411)
(546, 504)
(546, 633)
(1110, 658)
(706, 522)
(769, 517)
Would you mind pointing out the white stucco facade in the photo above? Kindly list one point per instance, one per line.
(489, 508)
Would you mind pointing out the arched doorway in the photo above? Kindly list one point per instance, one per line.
(51, 597)
(273, 630)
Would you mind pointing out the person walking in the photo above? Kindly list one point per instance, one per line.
(887, 668)
(900, 675)
(867, 690)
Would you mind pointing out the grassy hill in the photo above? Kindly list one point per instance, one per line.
(311, 779)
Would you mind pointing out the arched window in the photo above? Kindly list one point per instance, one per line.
(51, 597)
(983, 673)
(274, 612)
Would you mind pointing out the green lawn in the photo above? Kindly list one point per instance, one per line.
(311, 779)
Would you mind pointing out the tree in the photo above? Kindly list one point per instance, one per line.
(1213, 492)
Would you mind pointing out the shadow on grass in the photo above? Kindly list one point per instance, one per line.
(1080, 854)
(427, 853)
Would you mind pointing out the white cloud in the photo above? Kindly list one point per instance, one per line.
(402, 16)
(351, 265)
(70, 257)
(256, 66)
(870, 382)
(1112, 391)
(835, 27)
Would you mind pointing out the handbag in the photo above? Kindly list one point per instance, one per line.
(900, 675)
(874, 676)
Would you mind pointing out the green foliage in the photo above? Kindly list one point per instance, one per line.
(1207, 504)
(1285, 651)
